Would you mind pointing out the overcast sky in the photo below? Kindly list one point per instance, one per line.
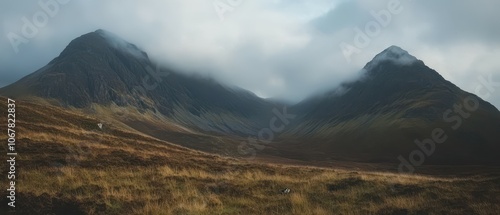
(274, 48)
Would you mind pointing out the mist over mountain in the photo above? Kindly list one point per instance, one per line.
(250, 107)
(396, 104)
(100, 68)
(393, 75)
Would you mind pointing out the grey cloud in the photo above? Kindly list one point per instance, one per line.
(458, 21)
(345, 15)
(287, 49)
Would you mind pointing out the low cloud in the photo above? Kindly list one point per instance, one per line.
(286, 49)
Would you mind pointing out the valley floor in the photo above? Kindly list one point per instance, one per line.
(67, 165)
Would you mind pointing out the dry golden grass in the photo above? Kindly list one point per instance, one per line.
(176, 190)
(116, 171)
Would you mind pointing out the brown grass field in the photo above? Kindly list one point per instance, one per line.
(67, 165)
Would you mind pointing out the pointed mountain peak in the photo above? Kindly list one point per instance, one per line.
(395, 49)
(101, 31)
(396, 66)
(101, 41)
(392, 54)
(99, 35)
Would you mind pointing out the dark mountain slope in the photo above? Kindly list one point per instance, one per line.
(387, 86)
(100, 68)
(381, 116)
(398, 101)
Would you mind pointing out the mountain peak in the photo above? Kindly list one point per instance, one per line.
(101, 31)
(394, 48)
(393, 54)
(101, 41)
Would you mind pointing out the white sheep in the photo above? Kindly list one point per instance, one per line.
(285, 191)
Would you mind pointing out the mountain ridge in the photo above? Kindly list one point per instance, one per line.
(398, 95)
(93, 70)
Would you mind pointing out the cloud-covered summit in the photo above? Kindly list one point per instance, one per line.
(284, 49)
(396, 55)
